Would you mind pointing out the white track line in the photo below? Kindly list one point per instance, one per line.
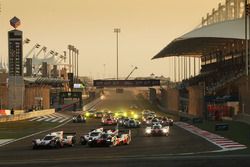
(35, 118)
(43, 118)
(51, 116)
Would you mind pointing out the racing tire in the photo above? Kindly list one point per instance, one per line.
(35, 147)
(128, 142)
(83, 142)
(59, 145)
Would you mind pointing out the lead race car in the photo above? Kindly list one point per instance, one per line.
(157, 130)
(55, 140)
(112, 138)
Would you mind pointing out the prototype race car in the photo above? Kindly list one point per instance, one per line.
(132, 123)
(90, 113)
(79, 118)
(111, 138)
(108, 121)
(55, 140)
(157, 130)
(96, 133)
(99, 114)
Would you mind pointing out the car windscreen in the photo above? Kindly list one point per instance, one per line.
(94, 134)
(48, 137)
(104, 136)
(156, 127)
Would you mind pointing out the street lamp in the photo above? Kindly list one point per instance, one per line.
(117, 31)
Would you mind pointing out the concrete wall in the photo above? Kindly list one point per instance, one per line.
(4, 96)
(196, 101)
(173, 100)
(32, 95)
(28, 115)
(16, 92)
(244, 96)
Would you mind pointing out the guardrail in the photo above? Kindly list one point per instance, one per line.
(18, 117)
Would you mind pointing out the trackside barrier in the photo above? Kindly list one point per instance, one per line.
(4, 112)
(17, 117)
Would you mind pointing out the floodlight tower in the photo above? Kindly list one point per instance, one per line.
(117, 31)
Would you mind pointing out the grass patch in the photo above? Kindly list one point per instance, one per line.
(238, 131)
(13, 130)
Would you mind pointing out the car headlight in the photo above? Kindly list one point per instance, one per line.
(165, 130)
(125, 114)
(87, 114)
(74, 118)
(135, 116)
(148, 131)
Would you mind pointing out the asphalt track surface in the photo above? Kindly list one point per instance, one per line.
(142, 151)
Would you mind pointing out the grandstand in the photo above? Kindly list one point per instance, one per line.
(222, 45)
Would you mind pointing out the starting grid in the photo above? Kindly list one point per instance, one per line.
(56, 117)
(222, 142)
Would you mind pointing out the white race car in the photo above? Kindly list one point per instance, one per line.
(132, 123)
(96, 133)
(157, 130)
(55, 140)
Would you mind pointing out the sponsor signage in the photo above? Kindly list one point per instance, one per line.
(126, 83)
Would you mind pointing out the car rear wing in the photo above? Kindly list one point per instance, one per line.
(69, 134)
(124, 131)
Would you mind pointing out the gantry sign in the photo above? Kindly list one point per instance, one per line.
(127, 83)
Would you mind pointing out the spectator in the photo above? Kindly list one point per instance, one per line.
(12, 111)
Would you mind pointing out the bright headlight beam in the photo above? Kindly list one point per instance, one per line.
(148, 131)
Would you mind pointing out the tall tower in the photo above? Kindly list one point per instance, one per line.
(16, 82)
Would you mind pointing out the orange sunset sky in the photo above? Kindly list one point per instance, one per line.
(147, 26)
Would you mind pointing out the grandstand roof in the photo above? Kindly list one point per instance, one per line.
(203, 39)
(44, 80)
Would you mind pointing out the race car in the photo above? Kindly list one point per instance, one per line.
(104, 140)
(148, 120)
(90, 113)
(55, 140)
(120, 114)
(121, 120)
(124, 137)
(108, 121)
(170, 122)
(99, 114)
(157, 130)
(95, 133)
(79, 118)
(132, 123)
(166, 121)
(111, 138)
